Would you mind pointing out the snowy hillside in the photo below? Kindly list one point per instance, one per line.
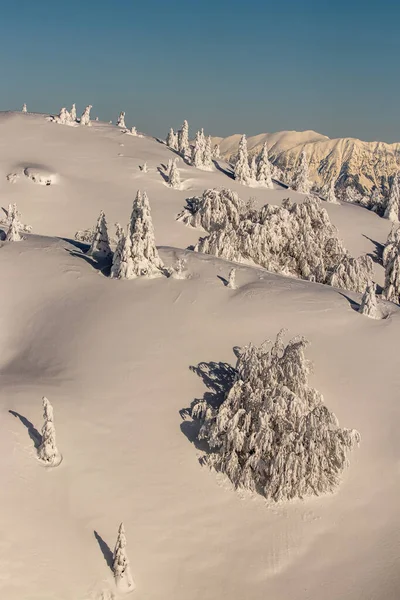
(348, 161)
(123, 361)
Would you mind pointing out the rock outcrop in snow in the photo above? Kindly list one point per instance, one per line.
(273, 433)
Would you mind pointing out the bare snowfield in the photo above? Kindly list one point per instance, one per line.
(114, 358)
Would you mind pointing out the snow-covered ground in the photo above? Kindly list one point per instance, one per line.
(114, 359)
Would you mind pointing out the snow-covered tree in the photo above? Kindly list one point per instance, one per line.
(146, 260)
(73, 113)
(242, 169)
(216, 152)
(134, 131)
(352, 273)
(121, 568)
(119, 232)
(232, 279)
(48, 452)
(100, 247)
(121, 120)
(264, 173)
(13, 224)
(24, 109)
(85, 118)
(172, 140)
(273, 434)
(13, 232)
(213, 210)
(207, 156)
(392, 245)
(174, 178)
(183, 138)
(179, 271)
(391, 262)
(301, 181)
(377, 203)
(198, 150)
(144, 168)
(253, 169)
(122, 265)
(369, 304)
(63, 117)
(393, 205)
(330, 193)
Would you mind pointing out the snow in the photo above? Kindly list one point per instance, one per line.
(114, 358)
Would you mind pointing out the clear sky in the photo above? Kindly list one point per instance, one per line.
(229, 66)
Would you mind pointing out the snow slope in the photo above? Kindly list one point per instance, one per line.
(114, 359)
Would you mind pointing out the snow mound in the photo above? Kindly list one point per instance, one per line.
(41, 175)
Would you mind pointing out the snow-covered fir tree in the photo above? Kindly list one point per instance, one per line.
(207, 156)
(119, 231)
(232, 279)
(273, 434)
(85, 118)
(178, 272)
(301, 180)
(330, 193)
(242, 169)
(133, 131)
(213, 210)
(100, 246)
(352, 273)
(264, 171)
(48, 452)
(216, 152)
(369, 304)
(24, 109)
(63, 117)
(393, 205)
(183, 139)
(392, 245)
(172, 140)
(146, 260)
(121, 567)
(73, 113)
(144, 168)
(198, 150)
(377, 203)
(174, 178)
(253, 169)
(13, 232)
(391, 262)
(122, 265)
(121, 120)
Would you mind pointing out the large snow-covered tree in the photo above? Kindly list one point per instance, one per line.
(174, 178)
(48, 452)
(369, 304)
(242, 169)
(13, 226)
(63, 117)
(121, 567)
(24, 109)
(392, 245)
(198, 150)
(100, 246)
(273, 434)
(352, 273)
(207, 155)
(183, 138)
(85, 118)
(301, 180)
(213, 209)
(146, 260)
(264, 171)
(330, 194)
(121, 120)
(393, 205)
(253, 168)
(122, 265)
(391, 262)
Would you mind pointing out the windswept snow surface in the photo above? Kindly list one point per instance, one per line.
(114, 357)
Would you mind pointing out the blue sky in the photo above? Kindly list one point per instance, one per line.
(230, 67)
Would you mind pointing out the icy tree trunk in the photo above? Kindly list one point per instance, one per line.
(48, 452)
(121, 568)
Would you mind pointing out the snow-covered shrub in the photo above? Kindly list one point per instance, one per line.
(232, 279)
(178, 272)
(393, 205)
(183, 139)
(213, 209)
(273, 434)
(24, 109)
(85, 118)
(121, 568)
(369, 304)
(264, 172)
(48, 452)
(174, 178)
(121, 120)
(172, 140)
(85, 235)
(301, 180)
(100, 246)
(12, 177)
(242, 169)
(133, 131)
(352, 273)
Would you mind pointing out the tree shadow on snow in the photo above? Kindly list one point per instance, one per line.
(224, 281)
(163, 173)
(105, 549)
(32, 431)
(354, 305)
(104, 267)
(378, 252)
(82, 246)
(228, 172)
(218, 378)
